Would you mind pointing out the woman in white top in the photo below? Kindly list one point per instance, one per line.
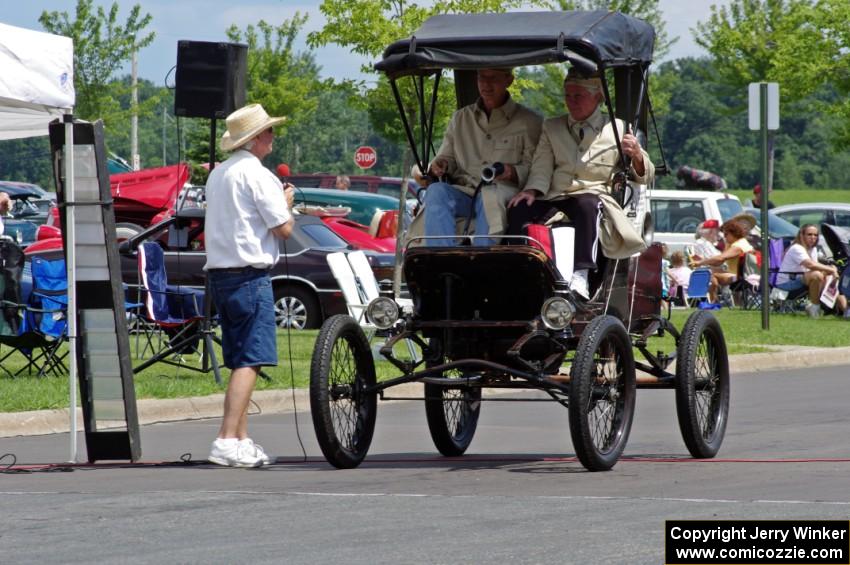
(800, 268)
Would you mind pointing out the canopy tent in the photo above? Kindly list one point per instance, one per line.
(37, 87)
(36, 82)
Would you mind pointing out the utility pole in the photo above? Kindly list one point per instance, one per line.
(134, 123)
(164, 117)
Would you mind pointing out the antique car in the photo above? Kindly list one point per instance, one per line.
(503, 316)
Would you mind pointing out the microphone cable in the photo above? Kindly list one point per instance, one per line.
(289, 343)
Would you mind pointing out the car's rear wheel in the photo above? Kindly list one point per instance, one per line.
(702, 384)
(296, 307)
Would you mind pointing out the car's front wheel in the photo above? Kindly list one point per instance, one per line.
(296, 307)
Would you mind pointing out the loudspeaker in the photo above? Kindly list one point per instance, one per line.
(210, 79)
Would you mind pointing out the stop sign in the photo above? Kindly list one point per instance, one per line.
(365, 157)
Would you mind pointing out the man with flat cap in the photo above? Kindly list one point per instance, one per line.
(494, 129)
(573, 172)
(248, 210)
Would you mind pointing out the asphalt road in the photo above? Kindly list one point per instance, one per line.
(518, 496)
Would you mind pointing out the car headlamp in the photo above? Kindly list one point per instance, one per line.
(382, 312)
(557, 312)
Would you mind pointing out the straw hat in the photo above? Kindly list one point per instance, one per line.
(746, 219)
(245, 124)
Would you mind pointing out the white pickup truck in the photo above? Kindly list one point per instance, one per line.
(677, 213)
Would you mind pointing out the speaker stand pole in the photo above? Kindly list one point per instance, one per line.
(209, 357)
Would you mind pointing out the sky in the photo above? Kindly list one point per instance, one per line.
(207, 20)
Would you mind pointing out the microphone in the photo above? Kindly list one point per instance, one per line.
(283, 171)
(491, 172)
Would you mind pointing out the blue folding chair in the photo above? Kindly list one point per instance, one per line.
(698, 286)
(42, 327)
(177, 310)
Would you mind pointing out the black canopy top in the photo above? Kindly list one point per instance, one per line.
(474, 41)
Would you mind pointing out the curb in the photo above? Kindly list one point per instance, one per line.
(153, 411)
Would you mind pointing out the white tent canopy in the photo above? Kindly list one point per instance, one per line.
(37, 86)
(36, 80)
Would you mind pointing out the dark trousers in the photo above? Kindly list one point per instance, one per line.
(584, 212)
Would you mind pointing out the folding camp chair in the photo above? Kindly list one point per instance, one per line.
(698, 286)
(177, 311)
(782, 301)
(38, 328)
(359, 287)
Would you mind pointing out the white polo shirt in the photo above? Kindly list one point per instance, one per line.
(245, 201)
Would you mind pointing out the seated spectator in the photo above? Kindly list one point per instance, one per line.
(707, 236)
(342, 182)
(800, 268)
(678, 275)
(735, 234)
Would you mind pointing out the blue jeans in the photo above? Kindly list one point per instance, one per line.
(443, 204)
(245, 304)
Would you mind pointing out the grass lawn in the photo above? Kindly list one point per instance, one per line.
(780, 197)
(742, 330)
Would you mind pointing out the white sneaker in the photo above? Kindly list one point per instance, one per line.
(231, 452)
(579, 285)
(813, 310)
(257, 450)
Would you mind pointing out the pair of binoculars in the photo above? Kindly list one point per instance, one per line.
(491, 172)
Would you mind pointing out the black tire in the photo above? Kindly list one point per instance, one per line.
(452, 413)
(702, 384)
(602, 393)
(296, 307)
(343, 415)
(126, 230)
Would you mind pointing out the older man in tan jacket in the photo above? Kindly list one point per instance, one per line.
(493, 130)
(573, 171)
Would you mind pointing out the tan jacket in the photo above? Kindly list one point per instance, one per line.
(472, 142)
(566, 162)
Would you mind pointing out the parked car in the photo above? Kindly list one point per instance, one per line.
(367, 221)
(142, 198)
(677, 213)
(30, 209)
(387, 186)
(781, 228)
(305, 290)
(818, 213)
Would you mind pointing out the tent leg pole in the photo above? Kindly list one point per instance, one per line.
(72, 294)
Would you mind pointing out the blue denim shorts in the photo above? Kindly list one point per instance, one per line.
(795, 283)
(245, 304)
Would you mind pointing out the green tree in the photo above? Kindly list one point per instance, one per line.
(280, 78)
(743, 38)
(102, 45)
(367, 27)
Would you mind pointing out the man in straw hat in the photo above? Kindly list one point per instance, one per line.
(493, 129)
(248, 209)
(572, 172)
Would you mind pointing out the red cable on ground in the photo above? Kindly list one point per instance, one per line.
(380, 461)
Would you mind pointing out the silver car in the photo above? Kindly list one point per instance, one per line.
(835, 213)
